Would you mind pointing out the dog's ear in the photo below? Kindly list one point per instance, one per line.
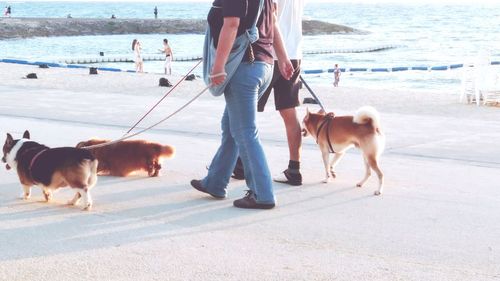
(26, 135)
(9, 140)
(307, 114)
(321, 111)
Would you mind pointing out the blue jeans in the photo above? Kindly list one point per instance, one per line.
(240, 135)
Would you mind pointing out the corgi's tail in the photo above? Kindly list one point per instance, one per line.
(167, 151)
(368, 114)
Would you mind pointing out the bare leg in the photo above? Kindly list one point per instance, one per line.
(293, 132)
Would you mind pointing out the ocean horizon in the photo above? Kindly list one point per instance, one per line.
(426, 35)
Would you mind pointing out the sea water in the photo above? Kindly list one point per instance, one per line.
(426, 35)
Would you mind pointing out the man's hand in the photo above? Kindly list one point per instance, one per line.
(286, 69)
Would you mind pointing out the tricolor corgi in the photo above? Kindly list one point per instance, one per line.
(51, 168)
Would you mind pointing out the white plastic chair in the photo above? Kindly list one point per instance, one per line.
(468, 82)
(484, 76)
(491, 90)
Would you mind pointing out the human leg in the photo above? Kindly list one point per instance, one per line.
(286, 95)
(241, 98)
(224, 159)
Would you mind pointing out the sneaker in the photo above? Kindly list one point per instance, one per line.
(249, 202)
(294, 179)
(197, 185)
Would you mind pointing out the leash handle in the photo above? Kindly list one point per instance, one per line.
(312, 93)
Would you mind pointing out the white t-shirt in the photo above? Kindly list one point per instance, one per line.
(290, 22)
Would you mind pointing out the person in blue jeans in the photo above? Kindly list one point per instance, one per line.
(227, 20)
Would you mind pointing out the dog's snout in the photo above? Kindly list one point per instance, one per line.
(4, 160)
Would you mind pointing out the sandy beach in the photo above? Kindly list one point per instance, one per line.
(437, 220)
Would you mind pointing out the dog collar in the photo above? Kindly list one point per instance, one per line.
(35, 157)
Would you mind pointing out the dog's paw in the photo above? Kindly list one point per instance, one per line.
(48, 196)
(359, 185)
(332, 172)
(328, 180)
(88, 208)
(377, 193)
(25, 196)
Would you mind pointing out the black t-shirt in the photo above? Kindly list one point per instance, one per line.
(246, 10)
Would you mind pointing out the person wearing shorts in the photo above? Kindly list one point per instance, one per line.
(286, 92)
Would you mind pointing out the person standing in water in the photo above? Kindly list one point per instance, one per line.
(156, 12)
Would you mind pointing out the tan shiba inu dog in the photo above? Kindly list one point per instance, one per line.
(337, 134)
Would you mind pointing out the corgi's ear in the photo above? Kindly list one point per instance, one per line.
(9, 140)
(26, 135)
(321, 111)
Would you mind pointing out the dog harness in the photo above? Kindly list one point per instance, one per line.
(328, 118)
(34, 159)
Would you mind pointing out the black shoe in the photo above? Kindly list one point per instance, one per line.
(238, 175)
(197, 185)
(294, 179)
(249, 202)
(238, 172)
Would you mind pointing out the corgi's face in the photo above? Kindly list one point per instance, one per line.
(10, 148)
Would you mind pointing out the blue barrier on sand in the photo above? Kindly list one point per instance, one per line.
(392, 69)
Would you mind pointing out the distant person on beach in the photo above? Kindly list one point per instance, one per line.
(336, 75)
(241, 71)
(286, 91)
(113, 16)
(7, 11)
(139, 64)
(156, 12)
(169, 56)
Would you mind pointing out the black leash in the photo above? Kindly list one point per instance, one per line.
(312, 93)
(328, 117)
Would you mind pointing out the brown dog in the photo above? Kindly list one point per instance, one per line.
(51, 168)
(337, 134)
(125, 157)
